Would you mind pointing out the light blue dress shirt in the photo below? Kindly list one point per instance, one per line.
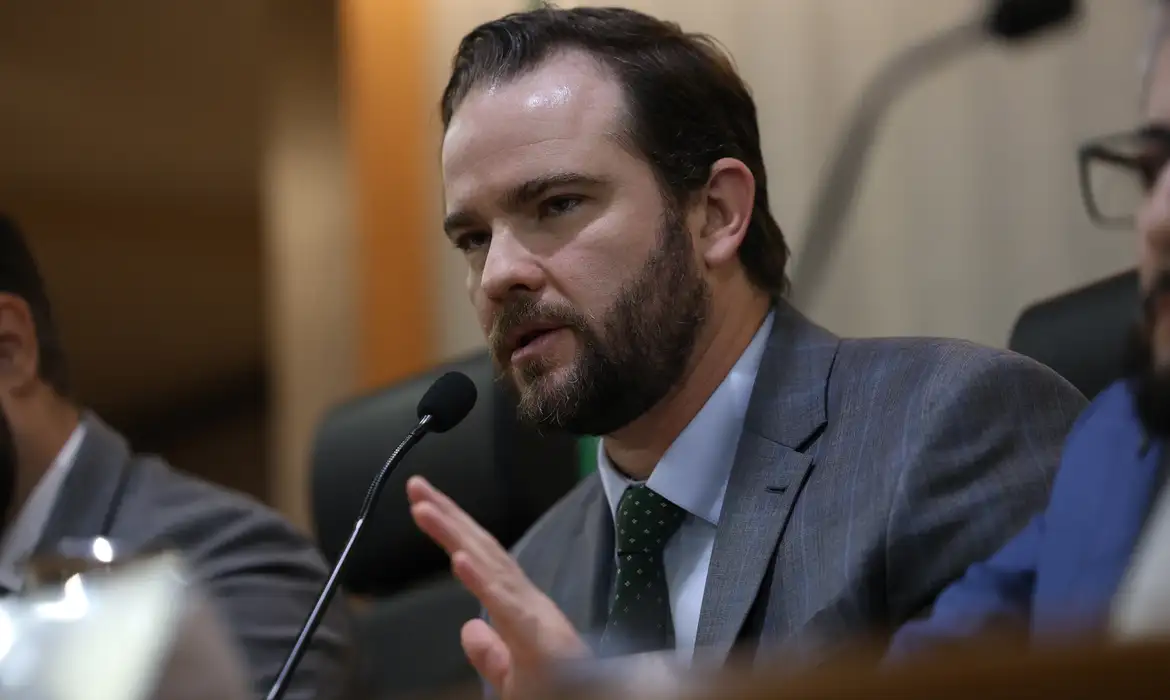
(693, 475)
(24, 534)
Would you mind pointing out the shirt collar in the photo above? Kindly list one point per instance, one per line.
(694, 471)
(25, 532)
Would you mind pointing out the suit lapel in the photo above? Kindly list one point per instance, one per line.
(581, 588)
(89, 490)
(787, 410)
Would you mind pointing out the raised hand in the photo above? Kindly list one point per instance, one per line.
(528, 632)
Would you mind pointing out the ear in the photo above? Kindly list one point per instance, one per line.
(18, 345)
(729, 197)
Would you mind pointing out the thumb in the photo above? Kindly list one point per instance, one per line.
(487, 653)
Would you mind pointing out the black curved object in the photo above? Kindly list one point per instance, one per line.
(1081, 334)
(503, 473)
(1007, 21)
(1013, 20)
(447, 402)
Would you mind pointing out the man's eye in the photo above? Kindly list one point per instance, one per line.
(557, 206)
(1149, 166)
(472, 241)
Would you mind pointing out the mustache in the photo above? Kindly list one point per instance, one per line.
(525, 311)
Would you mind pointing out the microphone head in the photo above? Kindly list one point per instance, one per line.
(448, 401)
(1013, 20)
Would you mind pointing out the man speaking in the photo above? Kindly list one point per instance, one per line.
(762, 482)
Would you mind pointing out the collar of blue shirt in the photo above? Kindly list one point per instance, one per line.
(25, 532)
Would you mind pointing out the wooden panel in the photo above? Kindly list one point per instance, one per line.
(384, 63)
(1089, 672)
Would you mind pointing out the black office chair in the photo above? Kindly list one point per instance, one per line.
(1081, 334)
(503, 473)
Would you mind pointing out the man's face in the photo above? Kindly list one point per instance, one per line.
(1151, 348)
(583, 276)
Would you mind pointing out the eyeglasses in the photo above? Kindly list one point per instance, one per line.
(1118, 171)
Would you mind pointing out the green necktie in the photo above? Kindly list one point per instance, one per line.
(639, 613)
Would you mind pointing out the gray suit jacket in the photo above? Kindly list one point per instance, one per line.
(869, 475)
(255, 568)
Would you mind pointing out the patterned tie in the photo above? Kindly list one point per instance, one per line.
(639, 614)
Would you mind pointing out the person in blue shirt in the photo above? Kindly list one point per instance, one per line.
(1060, 575)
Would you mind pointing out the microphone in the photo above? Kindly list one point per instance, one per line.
(1011, 20)
(1008, 21)
(442, 407)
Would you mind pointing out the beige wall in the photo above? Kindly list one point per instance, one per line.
(135, 181)
(970, 209)
(129, 274)
(309, 237)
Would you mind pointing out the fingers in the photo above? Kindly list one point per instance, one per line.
(528, 621)
(518, 610)
(477, 559)
(487, 653)
(492, 589)
(452, 528)
(457, 529)
(418, 489)
(438, 527)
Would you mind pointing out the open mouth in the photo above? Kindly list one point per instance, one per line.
(527, 339)
(531, 336)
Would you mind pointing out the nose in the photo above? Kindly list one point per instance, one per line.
(509, 268)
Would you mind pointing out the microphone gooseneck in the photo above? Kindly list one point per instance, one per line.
(1006, 20)
(445, 404)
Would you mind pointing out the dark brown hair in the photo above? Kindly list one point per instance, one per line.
(20, 277)
(687, 106)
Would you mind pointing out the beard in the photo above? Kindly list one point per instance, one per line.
(1149, 382)
(630, 358)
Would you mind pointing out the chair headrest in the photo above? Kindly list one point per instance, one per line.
(1082, 334)
(503, 473)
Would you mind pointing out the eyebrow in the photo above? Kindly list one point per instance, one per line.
(525, 193)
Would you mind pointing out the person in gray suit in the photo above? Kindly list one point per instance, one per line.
(67, 476)
(763, 484)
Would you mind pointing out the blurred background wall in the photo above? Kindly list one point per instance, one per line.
(129, 143)
(970, 208)
(236, 202)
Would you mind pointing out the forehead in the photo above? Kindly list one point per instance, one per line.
(1158, 100)
(564, 115)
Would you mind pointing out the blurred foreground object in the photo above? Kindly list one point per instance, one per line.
(136, 632)
(651, 674)
(70, 557)
(982, 670)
